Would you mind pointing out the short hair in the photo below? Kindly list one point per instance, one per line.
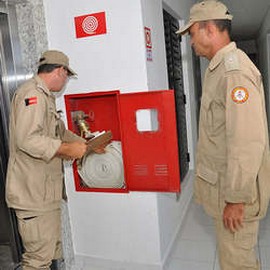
(224, 25)
(221, 24)
(47, 68)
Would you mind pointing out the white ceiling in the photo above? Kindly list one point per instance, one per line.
(248, 16)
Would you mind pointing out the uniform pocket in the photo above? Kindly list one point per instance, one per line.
(207, 175)
(246, 238)
(53, 188)
(28, 228)
(207, 189)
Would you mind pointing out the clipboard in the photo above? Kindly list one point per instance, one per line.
(100, 139)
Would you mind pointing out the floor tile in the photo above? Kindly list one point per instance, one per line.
(196, 232)
(178, 264)
(264, 238)
(265, 256)
(216, 267)
(197, 225)
(197, 214)
(265, 223)
(196, 251)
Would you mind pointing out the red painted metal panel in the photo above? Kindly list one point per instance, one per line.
(151, 157)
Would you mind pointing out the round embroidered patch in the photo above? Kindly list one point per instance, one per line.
(240, 95)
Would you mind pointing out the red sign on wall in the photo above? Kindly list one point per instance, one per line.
(148, 39)
(90, 25)
(148, 43)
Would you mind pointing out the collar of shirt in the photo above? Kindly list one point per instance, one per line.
(216, 60)
(42, 86)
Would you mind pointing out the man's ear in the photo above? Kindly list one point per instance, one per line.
(58, 71)
(211, 29)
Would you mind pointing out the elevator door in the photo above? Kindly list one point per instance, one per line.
(10, 246)
(9, 240)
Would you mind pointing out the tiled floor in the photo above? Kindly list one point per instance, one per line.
(195, 247)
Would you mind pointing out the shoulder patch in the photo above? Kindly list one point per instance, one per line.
(30, 101)
(232, 61)
(239, 95)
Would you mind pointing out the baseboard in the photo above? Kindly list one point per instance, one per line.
(88, 263)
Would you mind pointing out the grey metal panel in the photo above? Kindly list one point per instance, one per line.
(8, 227)
(4, 230)
(12, 71)
(8, 83)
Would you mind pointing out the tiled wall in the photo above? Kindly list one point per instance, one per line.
(32, 32)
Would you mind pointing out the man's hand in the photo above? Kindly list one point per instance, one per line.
(72, 150)
(233, 216)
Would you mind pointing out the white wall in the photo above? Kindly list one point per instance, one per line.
(264, 58)
(104, 62)
(171, 209)
(153, 19)
(134, 228)
(178, 8)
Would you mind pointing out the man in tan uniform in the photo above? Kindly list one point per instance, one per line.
(38, 143)
(232, 172)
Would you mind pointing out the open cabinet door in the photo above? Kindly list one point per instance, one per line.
(144, 124)
(149, 141)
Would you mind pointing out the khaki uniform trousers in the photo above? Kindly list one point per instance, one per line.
(41, 237)
(236, 251)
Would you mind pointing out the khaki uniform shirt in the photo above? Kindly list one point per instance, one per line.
(34, 176)
(233, 136)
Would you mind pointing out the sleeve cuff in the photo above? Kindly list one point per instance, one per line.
(51, 150)
(239, 197)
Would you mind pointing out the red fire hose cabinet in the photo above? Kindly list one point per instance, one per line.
(142, 154)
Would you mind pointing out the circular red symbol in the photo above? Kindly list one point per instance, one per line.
(90, 24)
(240, 95)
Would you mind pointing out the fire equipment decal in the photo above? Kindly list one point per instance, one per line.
(90, 25)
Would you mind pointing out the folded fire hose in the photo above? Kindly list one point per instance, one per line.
(103, 170)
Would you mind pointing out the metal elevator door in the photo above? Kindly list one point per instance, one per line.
(10, 245)
(175, 77)
(9, 252)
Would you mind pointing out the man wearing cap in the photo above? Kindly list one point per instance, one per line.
(232, 171)
(38, 143)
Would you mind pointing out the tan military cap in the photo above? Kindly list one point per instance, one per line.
(205, 11)
(56, 58)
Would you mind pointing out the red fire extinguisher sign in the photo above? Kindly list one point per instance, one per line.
(148, 39)
(90, 25)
